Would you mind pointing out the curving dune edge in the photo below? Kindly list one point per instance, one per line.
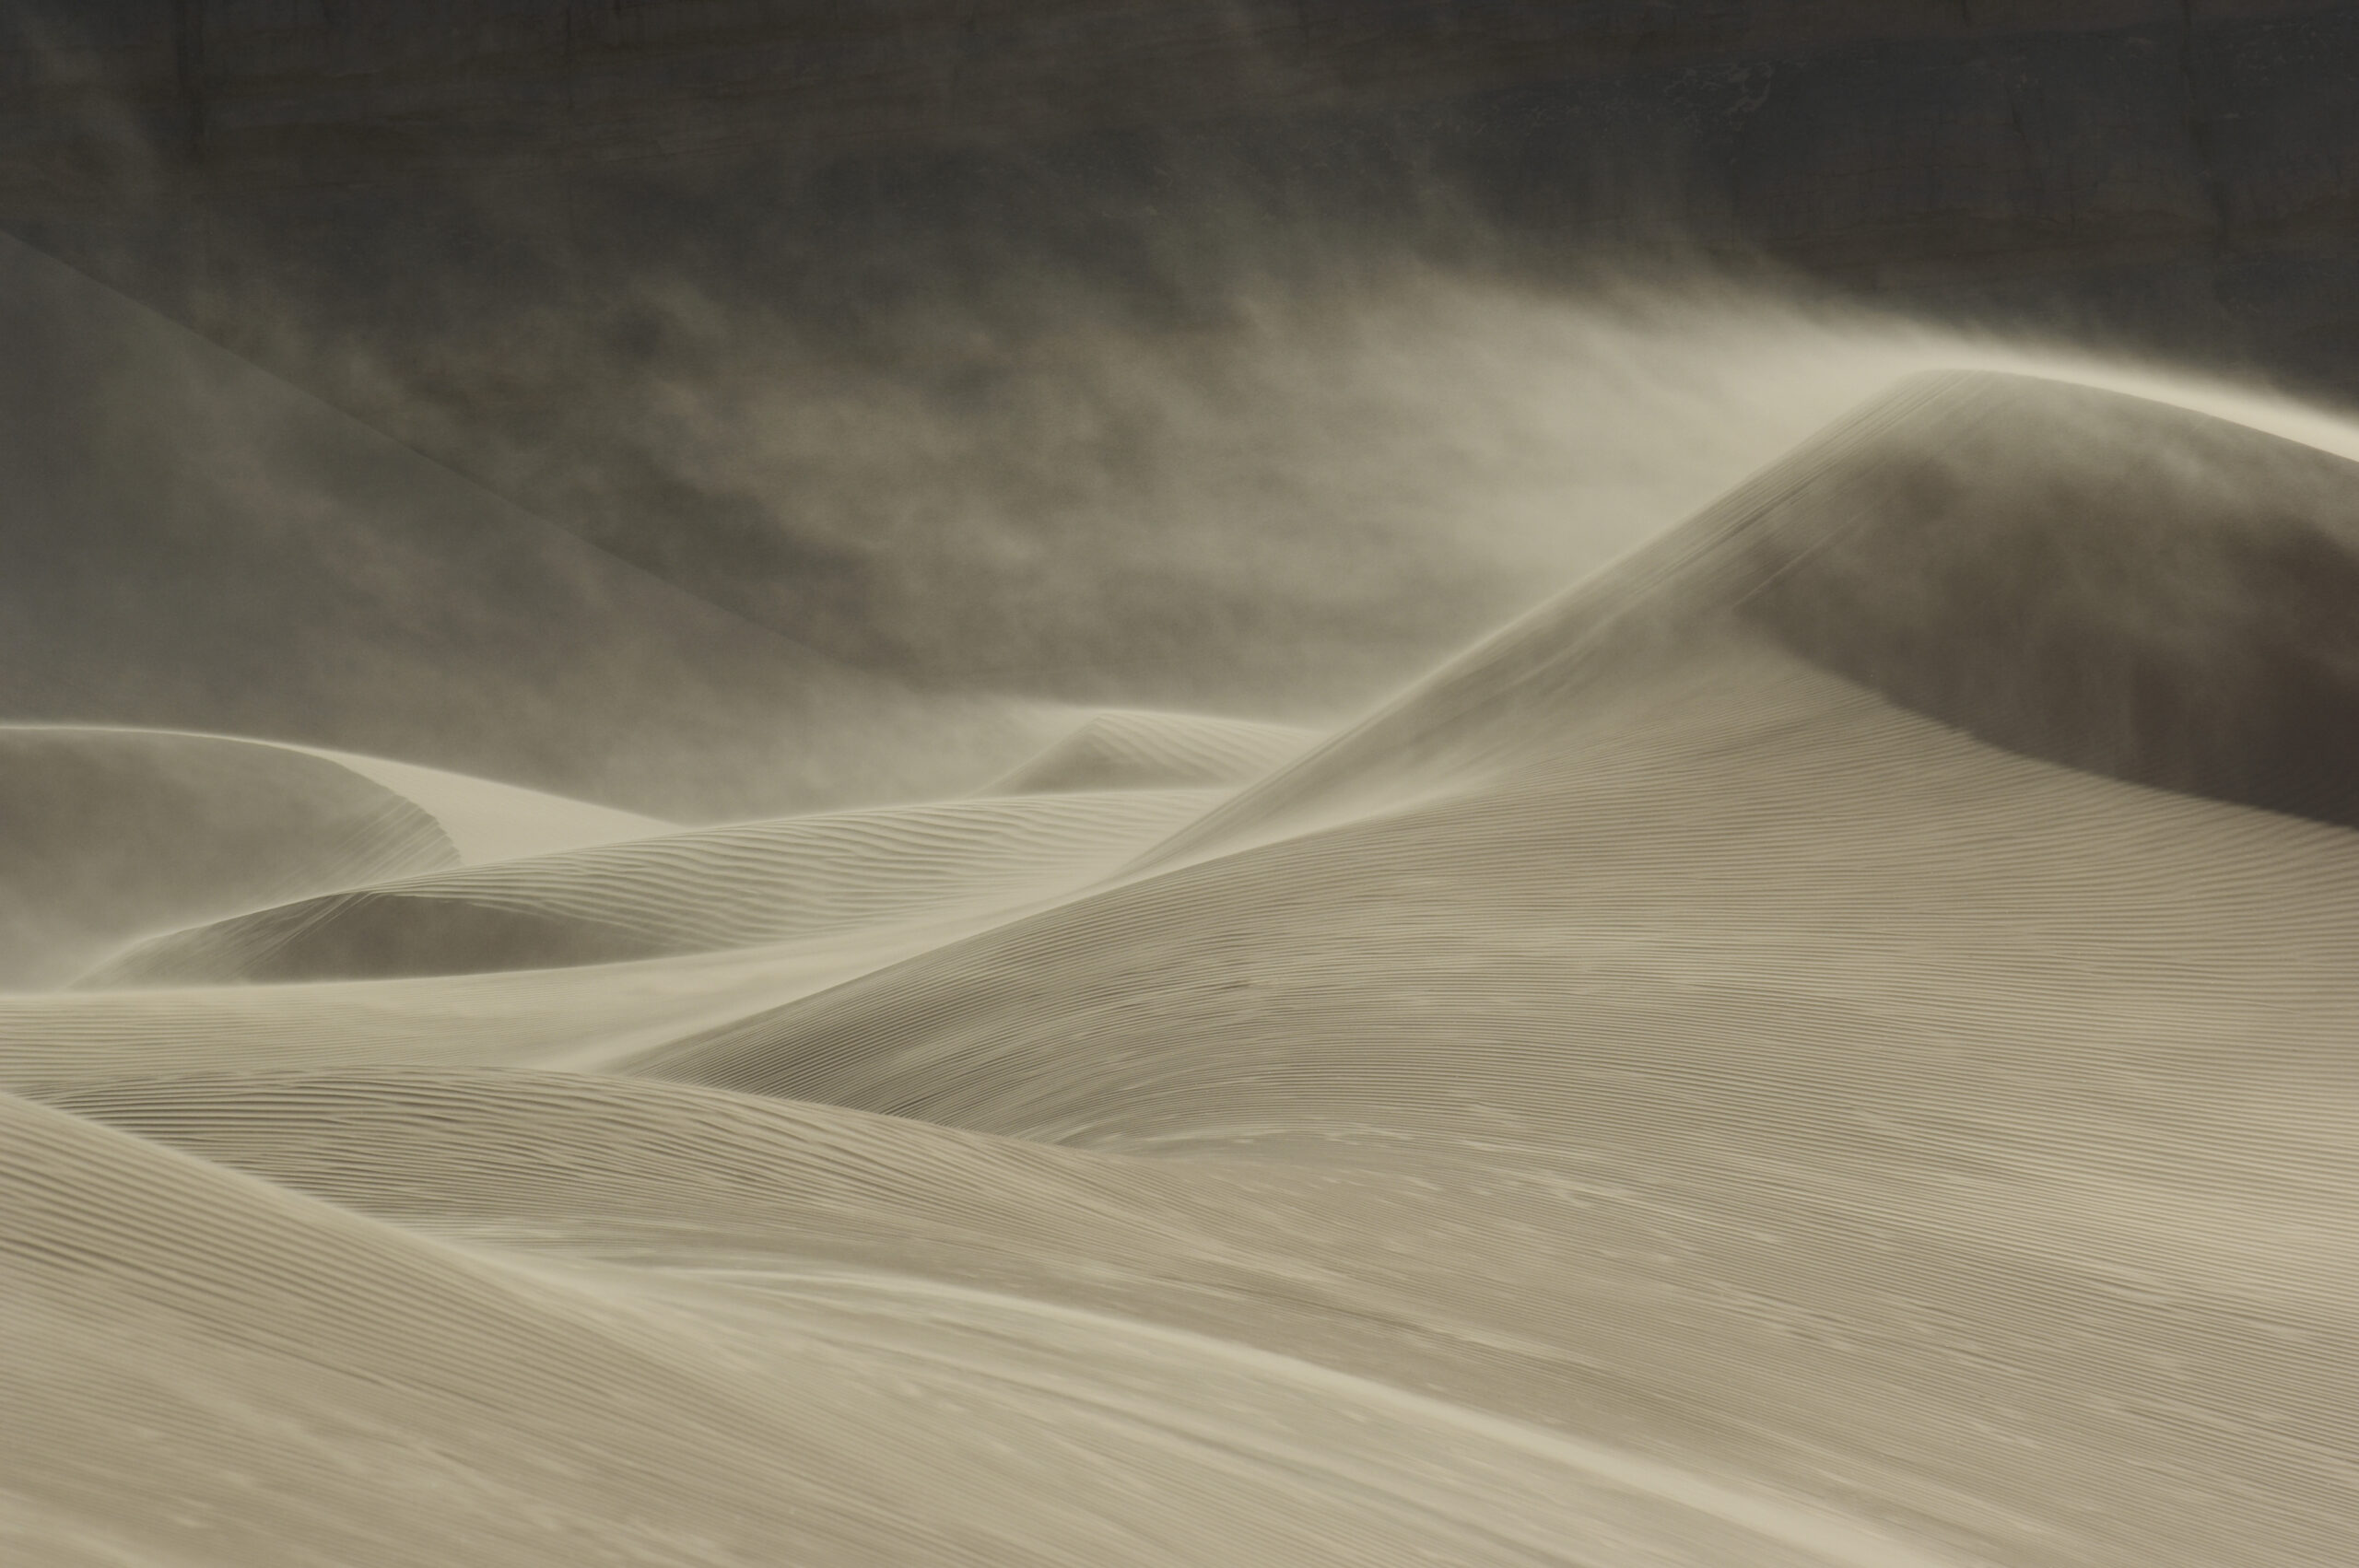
(1828, 1044)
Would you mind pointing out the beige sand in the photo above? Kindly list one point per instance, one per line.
(112, 834)
(699, 891)
(1641, 1098)
(1134, 749)
(487, 819)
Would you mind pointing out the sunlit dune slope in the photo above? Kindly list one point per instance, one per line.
(1135, 750)
(400, 1398)
(107, 834)
(566, 1017)
(685, 892)
(487, 819)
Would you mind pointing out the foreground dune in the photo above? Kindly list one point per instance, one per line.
(1829, 1045)
(462, 1407)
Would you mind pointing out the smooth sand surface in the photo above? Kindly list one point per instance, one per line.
(487, 819)
(1671, 1088)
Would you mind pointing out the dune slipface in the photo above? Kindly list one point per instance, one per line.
(1123, 750)
(116, 833)
(1830, 1044)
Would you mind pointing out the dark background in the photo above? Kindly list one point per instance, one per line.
(505, 232)
(2180, 171)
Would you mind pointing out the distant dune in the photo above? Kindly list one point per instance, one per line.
(1829, 1044)
(1137, 750)
(485, 820)
(219, 551)
(112, 834)
(698, 892)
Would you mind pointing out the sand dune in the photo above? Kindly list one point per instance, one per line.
(1133, 750)
(1829, 1044)
(453, 1402)
(114, 833)
(1934, 1119)
(513, 1018)
(682, 892)
(220, 552)
(485, 820)
(2099, 579)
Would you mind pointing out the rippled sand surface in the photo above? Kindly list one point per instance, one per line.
(1831, 1043)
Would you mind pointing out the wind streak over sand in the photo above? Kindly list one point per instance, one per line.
(1681, 1085)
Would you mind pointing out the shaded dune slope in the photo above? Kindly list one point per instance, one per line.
(2097, 579)
(2107, 582)
(687, 892)
(112, 834)
(1136, 750)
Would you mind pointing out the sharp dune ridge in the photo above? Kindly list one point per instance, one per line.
(485, 820)
(2076, 573)
(1132, 750)
(1827, 1044)
(692, 892)
(116, 833)
(481, 818)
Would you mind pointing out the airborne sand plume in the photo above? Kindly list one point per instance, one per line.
(1829, 1043)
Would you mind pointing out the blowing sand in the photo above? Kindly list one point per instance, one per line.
(1698, 1079)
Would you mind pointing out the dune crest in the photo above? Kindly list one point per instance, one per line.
(112, 834)
(692, 892)
(2080, 575)
(1125, 749)
(487, 819)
